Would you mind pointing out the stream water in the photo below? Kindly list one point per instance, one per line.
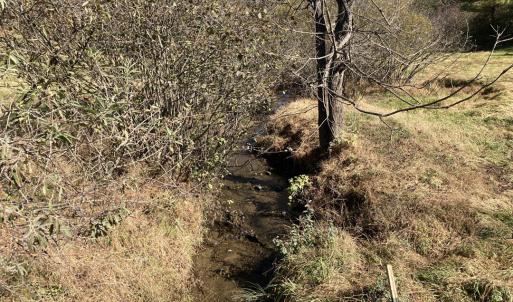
(238, 252)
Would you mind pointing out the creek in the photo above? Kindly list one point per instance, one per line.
(238, 251)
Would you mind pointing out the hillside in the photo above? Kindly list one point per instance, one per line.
(428, 191)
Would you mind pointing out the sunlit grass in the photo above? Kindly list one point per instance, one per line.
(437, 185)
(10, 89)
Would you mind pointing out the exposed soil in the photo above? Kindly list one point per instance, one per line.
(239, 252)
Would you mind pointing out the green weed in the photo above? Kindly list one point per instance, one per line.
(432, 178)
(486, 291)
(301, 235)
(438, 274)
(297, 187)
(317, 270)
(101, 225)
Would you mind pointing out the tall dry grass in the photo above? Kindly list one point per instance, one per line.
(146, 257)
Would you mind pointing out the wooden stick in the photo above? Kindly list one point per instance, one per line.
(391, 282)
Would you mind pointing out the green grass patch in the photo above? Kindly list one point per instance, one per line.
(499, 249)
(494, 231)
(390, 101)
(439, 274)
(466, 249)
(464, 119)
(502, 122)
(317, 270)
(496, 151)
(505, 217)
(507, 51)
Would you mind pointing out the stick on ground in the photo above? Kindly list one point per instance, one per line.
(391, 281)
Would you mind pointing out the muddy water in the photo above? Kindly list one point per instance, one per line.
(239, 252)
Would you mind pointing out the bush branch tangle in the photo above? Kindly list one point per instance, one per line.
(109, 85)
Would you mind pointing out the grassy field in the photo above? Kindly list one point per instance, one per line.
(431, 193)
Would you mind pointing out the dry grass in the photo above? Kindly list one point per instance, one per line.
(286, 129)
(433, 197)
(9, 88)
(147, 257)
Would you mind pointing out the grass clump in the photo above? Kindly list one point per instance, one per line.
(316, 258)
(439, 274)
(483, 290)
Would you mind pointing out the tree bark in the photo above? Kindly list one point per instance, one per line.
(331, 69)
(336, 107)
(325, 133)
(338, 66)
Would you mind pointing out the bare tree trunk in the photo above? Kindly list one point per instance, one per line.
(336, 107)
(338, 66)
(325, 134)
(331, 69)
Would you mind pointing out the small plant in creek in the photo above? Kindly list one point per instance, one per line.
(297, 187)
(301, 235)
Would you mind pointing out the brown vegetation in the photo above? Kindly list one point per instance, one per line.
(113, 114)
(429, 192)
(106, 110)
(144, 255)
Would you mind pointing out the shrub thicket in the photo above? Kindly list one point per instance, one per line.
(109, 85)
(477, 20)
